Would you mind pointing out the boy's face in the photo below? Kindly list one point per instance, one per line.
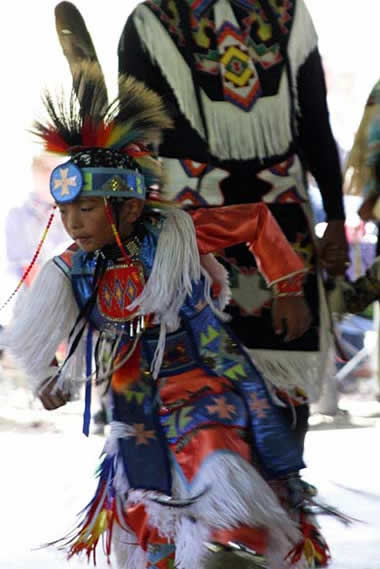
(86, 222)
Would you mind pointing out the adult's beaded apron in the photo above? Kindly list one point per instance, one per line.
(32, 262)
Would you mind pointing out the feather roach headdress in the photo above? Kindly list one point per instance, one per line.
(107, 142)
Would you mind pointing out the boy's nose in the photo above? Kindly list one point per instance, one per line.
(74, 221)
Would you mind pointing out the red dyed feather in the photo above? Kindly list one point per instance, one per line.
(54, 142)
(103, 134)
(89, 133)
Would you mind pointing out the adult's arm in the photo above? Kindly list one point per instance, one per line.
(316, 140)
(218, 228)
(321, 158)
(253, 224)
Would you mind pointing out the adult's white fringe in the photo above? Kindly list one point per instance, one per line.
(236, 495)
(304, 370)
(302, 42)
(42, 319)
(233, 133)
(290, 370)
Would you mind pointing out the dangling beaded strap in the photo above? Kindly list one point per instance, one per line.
(32, 262)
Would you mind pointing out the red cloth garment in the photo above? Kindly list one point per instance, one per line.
(218, 228)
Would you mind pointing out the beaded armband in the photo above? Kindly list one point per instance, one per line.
(291, 285)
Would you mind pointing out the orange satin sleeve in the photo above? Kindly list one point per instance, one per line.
(221, 227)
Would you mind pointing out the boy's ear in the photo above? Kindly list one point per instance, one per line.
(131, 210)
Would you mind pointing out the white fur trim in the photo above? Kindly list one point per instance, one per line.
(43, 317)
(233, 133)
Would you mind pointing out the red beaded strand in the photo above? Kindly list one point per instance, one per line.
(32, 262)
(115, 231)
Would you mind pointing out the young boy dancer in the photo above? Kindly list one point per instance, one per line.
(196, 440)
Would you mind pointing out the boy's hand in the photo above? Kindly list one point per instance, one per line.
(51, 397)
(291, 315)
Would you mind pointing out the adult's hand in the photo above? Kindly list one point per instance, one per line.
(51, 397)
(291, 315)
(334, 248)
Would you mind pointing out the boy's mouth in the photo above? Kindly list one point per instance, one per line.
(82, 239)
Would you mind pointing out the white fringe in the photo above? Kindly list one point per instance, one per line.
(290, 370)
(236, 494)
(216, 273)
(164, 518)
(176, 266)
(307, 371)
(127, 552)
(120, 481)
(42, 319)
(303, 41)
(233, 133)
(190, 543)
(73, 373)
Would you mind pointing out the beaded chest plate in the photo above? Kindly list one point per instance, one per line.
(119, 287)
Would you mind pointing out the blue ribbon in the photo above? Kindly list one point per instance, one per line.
(87, 405)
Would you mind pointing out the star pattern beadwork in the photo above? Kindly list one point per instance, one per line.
(258, 406)
(64, 182)
(142, 435)
(221, 408)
